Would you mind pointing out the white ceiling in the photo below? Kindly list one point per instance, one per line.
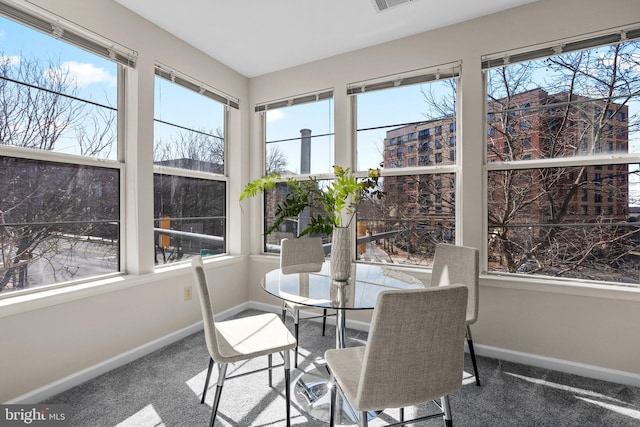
(255, 37)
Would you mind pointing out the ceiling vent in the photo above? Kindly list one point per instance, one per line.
(381, 5)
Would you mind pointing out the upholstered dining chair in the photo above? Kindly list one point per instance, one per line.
(241, 339)
(414, 354)
(302, 255)
(459, 264)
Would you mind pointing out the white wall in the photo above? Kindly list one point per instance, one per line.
(578, 324)
(44, 340)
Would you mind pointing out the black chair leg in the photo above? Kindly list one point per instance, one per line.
(473, 355)
(206, 382)
(324, 320)
(216, 401)
(270, 358)
(332, 407)
(287, 385)
(296, 327)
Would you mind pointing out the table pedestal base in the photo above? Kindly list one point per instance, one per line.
(312, 393)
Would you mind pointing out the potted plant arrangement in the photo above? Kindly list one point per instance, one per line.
(332, 208)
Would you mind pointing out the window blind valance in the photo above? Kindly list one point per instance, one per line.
(196, 86)
(588, 42)
(55, 26)
(300, 99)
(421, 76)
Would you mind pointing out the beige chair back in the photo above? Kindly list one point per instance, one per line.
(304, 255)
(415, 348)
(206, 306)
(458, 264)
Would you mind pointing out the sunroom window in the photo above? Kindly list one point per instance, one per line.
(546, 214)
(418, 210)
(189, 180)
(59, 207)
(298, 142)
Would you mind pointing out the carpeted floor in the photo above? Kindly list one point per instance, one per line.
(164, 389)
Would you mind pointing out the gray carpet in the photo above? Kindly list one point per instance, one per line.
(164, 389)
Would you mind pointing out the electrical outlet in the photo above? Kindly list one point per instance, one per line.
(187, 293)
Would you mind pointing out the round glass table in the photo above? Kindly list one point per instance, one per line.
(312, 390)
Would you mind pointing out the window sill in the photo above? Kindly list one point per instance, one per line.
(560, 286)
(10, 306)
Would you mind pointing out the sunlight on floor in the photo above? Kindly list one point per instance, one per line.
(147, 416)
(623, 410)
(564, 387)
(468, 378)
(196, 383)
(633, 413)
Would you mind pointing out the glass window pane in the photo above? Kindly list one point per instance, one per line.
(190, 212)
(576, 104)
(300, 138)
(290, 228)
(54, 96)
(565, 222)
(59, 222)
(405, 116)
(190, 217)
(188, 129)
(417, 212)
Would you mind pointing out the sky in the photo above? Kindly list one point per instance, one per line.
(95, 79)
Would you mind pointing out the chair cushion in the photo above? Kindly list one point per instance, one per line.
(249, 337)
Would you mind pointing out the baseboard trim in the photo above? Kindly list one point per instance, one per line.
(567, 366)
(77, 378)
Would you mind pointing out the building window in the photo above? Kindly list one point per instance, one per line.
(569, 121)
(60, 212)
(189, 184)
(406, 218)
